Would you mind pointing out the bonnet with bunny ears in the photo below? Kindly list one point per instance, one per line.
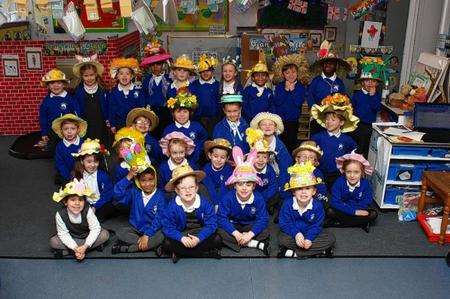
(244, 171)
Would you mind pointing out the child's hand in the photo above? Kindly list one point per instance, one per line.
(113, 130)
(361, 213)
(186, 242)
(307, 244)
(108, 124)
(299, 238)
(132, 173)
(80, 249)
(45, 138)
(80, 256)
(238, 236)
(246, 237)
(143, 243)
(194, 240)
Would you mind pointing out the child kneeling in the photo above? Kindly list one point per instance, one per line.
(78, 229)
(302, 216)
(189, 223)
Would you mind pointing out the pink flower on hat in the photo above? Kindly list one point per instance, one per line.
(164, 142)
(368, 169)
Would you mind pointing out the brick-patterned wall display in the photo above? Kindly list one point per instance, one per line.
(21, 96)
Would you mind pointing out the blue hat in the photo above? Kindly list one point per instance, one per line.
(231, 98)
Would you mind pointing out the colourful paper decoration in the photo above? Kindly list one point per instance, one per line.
(333, 13)
(362, 7)
(298, 6)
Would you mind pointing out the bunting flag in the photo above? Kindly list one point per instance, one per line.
(106, 6)
(298, 6)
(333, 13)
(91, 10)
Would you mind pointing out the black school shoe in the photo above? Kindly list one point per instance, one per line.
(58, 253)
(119, 247)
(175, 258)
(215, 253)
(266, 247)
(366, 227)
(281, 252)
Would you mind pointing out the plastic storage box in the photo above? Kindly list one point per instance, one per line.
(418, 171)
(438, 166)
(393, 195)
(400, 172)
(440, 153)
(410, 151)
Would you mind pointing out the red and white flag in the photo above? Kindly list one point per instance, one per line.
(333, 13)
(298, 6)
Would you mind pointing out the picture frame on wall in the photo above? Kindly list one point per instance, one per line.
(316, 39)
(10, 66)
(330, 33)
(34, 59)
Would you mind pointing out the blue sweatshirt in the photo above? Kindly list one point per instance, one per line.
(207, 98)
(80, 98)
(319, 88)
(270, 185)
(120, 172)
(174, 220)
(237, 88)
(196, 132)
(322, 191)
(120, 105)
(172, 91)
(53, 107)
(156, 94)
(348, 202)
(153, 149)
(64, 161)
(105, 187)
(146, 219)
(223, 130)
(365, 106)
(231, 212)
(288, 104)
(309, 223)
(215, 181)
(252, 104)
(165, 174)
(332, 147)
(284, 160)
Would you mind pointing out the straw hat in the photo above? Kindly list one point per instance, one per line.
(183, 171)
(308, 145)
(184, 62)
(56, 124)
(206, 62)
(52, 76)
(129, 133)
(231, 98)
(260, 66)
(267, 115)
(144, 112)
(368, 169)
(118, 63)
(302, 175)
(217, 143)
(75, 187)
(326, 54)
(256, 141)
(244, 170)
(90, 147)
(81, 61)
(183, 99)
(299, 60)
(164, 142)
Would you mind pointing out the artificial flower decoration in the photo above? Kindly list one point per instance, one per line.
(75, 187)
(302, 175)
(255, 139)
(183, 99)
(90, 147)
(337, 99)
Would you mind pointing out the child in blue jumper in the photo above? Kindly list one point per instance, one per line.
(70, 128)
(183, 68)
(183, 106)
(156, 83)
(189, 222)
(55, 104)
(257, 96)
(147, 204)
(206, 88)
(89, 157)
(230, 71)
(302, 216)
(232, 127)
(126, 95)
(242, 215)
(335, 114)
(351, 195)
(290, 94)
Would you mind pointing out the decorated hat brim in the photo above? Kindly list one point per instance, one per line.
(137, 112)
(295, 59)
(209, 145)
(56, 124)
(199, 176)
(288, 186)
(188, 68)
(307, 148)
(90, 151)
(318, 112)
(98, 66)
(341, 63)
(155, 58)
(233, 179)
(254, 123)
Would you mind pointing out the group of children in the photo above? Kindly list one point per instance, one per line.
(222, 163)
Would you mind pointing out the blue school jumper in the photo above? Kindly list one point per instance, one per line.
(196, 132)
(270, 185)
(172, 91)
(365, 106)
(105, 187)
(207, 98)
(153, 149)
(237, 88)
(322, 191)
(231, 212)
(215, 181)
(80, 98)
(321, 87)
(145, 219)
(288, 104)
(120, 104)
(342, 199)
(284, 160)
(223, 130)
(64, 161)
(174, 220)
(120, 171)
(165, 174)
(309, 223)
(252, 104)
(53, 107)
(332, 147)
(156, 94)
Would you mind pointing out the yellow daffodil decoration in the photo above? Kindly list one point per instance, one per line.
(302, 175)
(337, 99)
(255, 139)
(183, 99)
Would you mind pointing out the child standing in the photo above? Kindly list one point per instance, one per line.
(232, 127)
(183, 107)
(145, 121)
(206, 89)
(87, 168)
(147, 205)
(218, 169)
(70, 128)
(156, 83)
(257, 95)
(302, 216)
(290, 93)
(189, 223)
(182, 68)
(367, 101)
(57, 103)
(242, 214)
(125, 96)
(78, 229)
(351, 195)
(91, 97)
(335, 114)
(177, 147)
(230, 83)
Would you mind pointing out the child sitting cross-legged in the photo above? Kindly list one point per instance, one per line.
(302, 217)
(243, 218)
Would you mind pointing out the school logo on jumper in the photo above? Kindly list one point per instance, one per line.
(148, 148)
(253, 210)
(202, 216)
(341, 146)
(192, 135)
(265, 181)
(311, 217)
(221, 177)
(335, 88)
(63, 106)
(360, 194)
(155, 209)
(136, 94)
(103, 186)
